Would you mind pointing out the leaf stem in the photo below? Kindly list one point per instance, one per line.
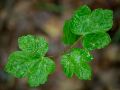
(72, 46)
(66, 51)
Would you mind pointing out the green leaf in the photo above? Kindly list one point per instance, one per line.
(37, 70)
(68, 65)
(80, 20)
(39, 73)
(19, 64)
(96, 40)
(75, 61)
(33, 44)
(25, 63)
(84, 21)
(81, 54)
(83, 71)
(68, 36)
(102, 19)
(82, 11)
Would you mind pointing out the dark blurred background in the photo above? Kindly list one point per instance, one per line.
(46, 18)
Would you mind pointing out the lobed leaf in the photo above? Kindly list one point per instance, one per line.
(96, 40)
(30, 62)
(84, 21)
(75, 62)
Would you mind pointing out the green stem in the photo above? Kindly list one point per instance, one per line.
(72, 46)
(66, 51)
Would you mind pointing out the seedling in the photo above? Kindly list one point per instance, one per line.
(87, 26)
